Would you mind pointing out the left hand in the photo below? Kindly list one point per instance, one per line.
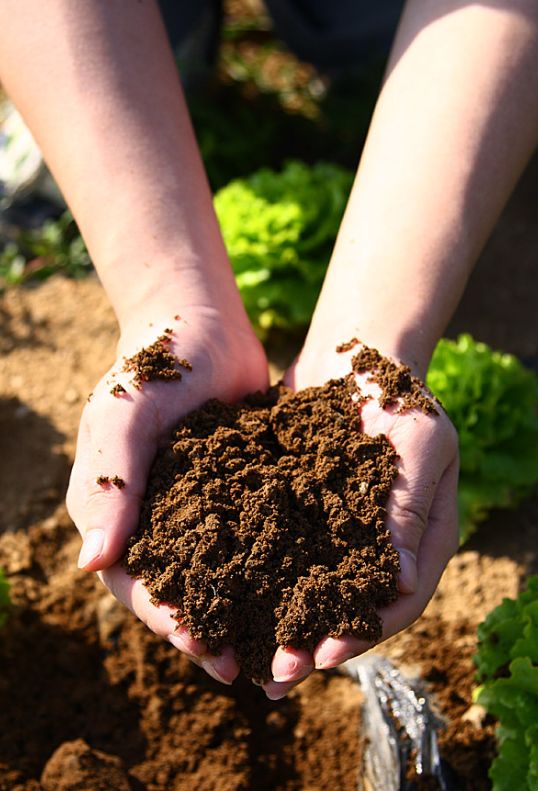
(421, 514)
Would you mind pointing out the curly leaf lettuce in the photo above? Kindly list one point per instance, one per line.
(493, 402)
(507, 664)
(279, 230)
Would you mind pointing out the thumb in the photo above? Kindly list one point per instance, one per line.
(115, 449)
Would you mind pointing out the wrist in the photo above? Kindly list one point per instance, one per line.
(154, 288)
(412, 346)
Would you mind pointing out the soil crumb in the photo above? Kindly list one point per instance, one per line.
(264, 523)
(156, 362)
(118, 390)
(347, 346)
(398, 385)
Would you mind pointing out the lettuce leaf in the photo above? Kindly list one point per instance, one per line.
(492, 399)
(507, 663)
(279, 230)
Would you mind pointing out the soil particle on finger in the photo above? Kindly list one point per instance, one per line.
(347, 345)
(102, 480)
(257, 524)
(118, 390)
(156, 362)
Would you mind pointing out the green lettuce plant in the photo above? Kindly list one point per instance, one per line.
(507, 663)
(4, 597)
(279, 230)
(35, 255)
(492, 399)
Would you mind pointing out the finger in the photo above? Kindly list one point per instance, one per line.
(116, 448)
(222, 667)
(290, 664)
(276, 690)
(162, 620)
(334, 651)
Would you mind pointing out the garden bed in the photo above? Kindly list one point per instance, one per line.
(75, 666)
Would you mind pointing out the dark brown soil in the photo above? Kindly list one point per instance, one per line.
(398, 385)
(264, 524)
(75, 665)
(155, 362)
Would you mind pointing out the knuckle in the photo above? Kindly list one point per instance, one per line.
(409, 516)
(408, 525)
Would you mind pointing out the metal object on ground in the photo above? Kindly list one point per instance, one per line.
(399, 729)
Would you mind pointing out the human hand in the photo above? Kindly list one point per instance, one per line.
(422, 514)
(119, 436)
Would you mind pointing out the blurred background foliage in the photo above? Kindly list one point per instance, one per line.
(260, 107)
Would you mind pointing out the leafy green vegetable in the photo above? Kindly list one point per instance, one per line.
(507, 662)
(55, 247)
(493, 402)
(279, 230)
(4, 597)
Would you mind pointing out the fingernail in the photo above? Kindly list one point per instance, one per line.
(211, 670)
(326, 662)
(407, 579)
(284, 666)
(92, 547)
(275, 695)
(181, 643)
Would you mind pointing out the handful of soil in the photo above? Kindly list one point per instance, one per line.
(264, 523)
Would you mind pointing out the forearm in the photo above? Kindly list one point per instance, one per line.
(456, 121)
(96, 82)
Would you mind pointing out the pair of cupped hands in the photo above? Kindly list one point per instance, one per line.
(120, 436)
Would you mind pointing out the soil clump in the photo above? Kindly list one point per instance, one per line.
(76, 767)
(264, 523)
(156, 361)
(398, 385)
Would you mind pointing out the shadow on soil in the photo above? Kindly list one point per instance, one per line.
(510, 533)
(54, 688)
(34, 472)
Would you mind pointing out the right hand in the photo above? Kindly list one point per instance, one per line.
(421, 514)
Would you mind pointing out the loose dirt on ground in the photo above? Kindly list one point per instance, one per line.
(79, 673)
